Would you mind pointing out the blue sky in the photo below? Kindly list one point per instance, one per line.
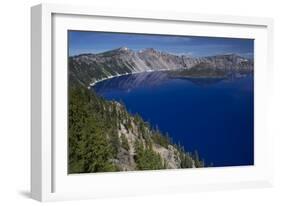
(96, 42)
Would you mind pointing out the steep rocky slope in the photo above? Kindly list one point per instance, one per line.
(90, 68)
(104, 137)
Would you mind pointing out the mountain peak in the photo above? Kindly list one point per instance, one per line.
(123, 49)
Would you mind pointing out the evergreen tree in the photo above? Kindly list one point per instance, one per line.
(146, 158)
(94, 143)
(124, 142)
(197, 161)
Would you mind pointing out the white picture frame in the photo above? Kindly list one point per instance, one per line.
(49, 179)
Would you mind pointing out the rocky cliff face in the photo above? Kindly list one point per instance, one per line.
(105, 137)
(140, 144)
(89, 68)
(169, 154)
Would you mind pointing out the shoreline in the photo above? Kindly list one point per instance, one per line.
(161, 70)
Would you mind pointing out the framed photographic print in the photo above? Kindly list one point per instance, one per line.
(134, 102)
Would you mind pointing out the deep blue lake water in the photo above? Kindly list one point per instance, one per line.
(213, 116)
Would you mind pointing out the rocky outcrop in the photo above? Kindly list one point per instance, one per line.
(132, 131)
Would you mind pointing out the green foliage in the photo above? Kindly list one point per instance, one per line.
(197, 161)
(89, 148)
(94, 143)
(186, 159)
(142, 126)
(146, 158)
(160, 139)
(98, 150)
(124, 142)
(83, 73)
(115, 144)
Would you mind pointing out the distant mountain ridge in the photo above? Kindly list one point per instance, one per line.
(87, 69)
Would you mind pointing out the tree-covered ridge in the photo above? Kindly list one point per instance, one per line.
(104, 137)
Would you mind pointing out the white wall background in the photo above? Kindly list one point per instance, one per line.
(15, 102)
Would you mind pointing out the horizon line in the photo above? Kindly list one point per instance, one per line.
(161, 51)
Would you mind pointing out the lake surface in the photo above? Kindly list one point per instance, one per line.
(213, 116)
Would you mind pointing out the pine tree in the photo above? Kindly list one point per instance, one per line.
(124, 142)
